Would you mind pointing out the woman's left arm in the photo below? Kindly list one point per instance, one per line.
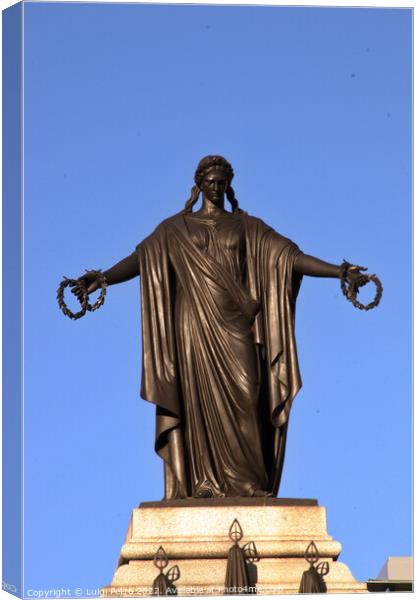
(309, 265)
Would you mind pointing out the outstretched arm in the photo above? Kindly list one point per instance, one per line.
(124, 270)
(309, 265)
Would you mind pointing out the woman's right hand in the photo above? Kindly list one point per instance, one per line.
(89, 280)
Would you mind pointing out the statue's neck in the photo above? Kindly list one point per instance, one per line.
(209, 208)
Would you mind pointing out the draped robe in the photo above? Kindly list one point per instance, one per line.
(219, 358)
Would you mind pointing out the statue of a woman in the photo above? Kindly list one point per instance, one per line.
(218, 293)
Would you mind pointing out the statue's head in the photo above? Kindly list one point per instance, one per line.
(213, 163)
(213, 167)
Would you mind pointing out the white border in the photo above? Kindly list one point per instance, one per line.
(320, 3)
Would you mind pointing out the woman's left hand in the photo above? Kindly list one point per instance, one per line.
(355, 277)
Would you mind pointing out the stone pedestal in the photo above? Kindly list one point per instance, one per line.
(195, 537)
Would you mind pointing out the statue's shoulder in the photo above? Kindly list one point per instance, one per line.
(159, 234)
(254, 223)
(259, 228)
(172, 220)
(164, 225)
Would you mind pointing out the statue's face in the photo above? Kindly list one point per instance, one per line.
(214, 185)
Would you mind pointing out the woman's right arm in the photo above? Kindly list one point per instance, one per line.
(124, 270)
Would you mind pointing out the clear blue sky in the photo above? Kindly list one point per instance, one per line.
(313, 108)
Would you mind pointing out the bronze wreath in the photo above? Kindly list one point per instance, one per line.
(350, 291)
(83, 297)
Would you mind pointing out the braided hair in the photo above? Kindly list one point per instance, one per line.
(207, 164)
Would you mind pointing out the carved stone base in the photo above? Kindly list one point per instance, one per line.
(195, 536)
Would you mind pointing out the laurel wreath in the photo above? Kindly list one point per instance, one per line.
(83, 297)
(350, 290)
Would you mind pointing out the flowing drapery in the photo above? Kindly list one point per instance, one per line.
(219, 359)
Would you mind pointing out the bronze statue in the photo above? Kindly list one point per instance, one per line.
(218, 293)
